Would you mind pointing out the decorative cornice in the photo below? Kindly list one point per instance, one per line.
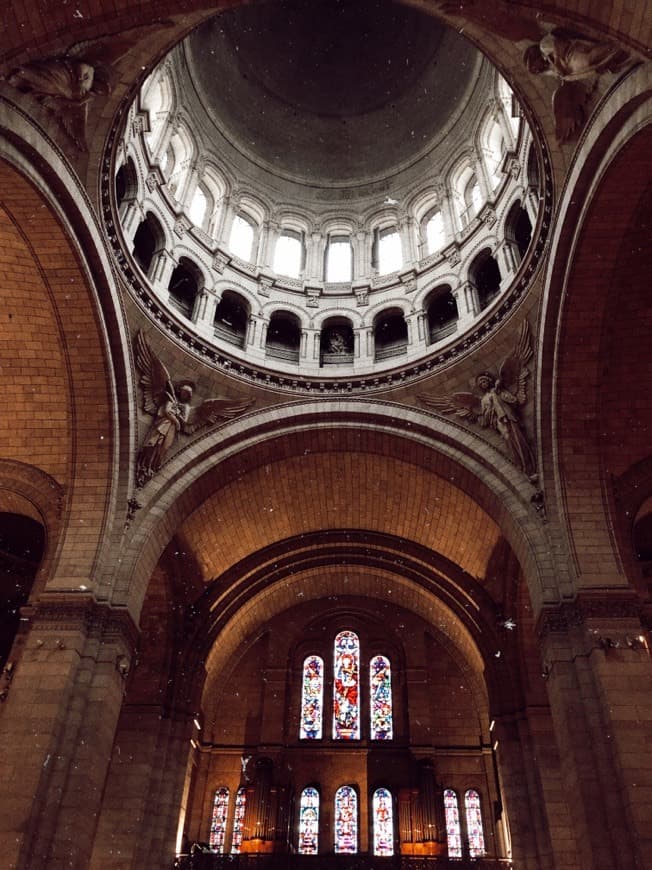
(65, 611)
(560, 618)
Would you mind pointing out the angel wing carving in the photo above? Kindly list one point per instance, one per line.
(66, 84)
(170, 405)
(496, 404)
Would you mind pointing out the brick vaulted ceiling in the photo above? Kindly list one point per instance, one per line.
(344, 489)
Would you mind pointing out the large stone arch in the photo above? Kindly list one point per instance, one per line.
(599, 210)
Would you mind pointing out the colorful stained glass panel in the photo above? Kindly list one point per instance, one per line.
(218, 820)
(383, 822)
(453, 831)
(474, 823)
(346, 689)
(312, 695)
(380, 687)
(346, 820)
(309, 822)
(238, 820)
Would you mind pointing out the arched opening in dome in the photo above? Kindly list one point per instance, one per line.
(22, 542)
(434, 231)
(388, 253)
(518, 229)
(148, 241)
(126, 185)
(185, 282)
(338, 260)
(283, 340)
(441, 309)
(336, 342)
(390, 334)
(290, 254)
(231, 318)
(484, 274)
(242, 236)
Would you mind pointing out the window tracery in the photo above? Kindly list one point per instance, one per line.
(312, 697)
(453, 828)
(346, 820)
(346, 690)
(238, 819)
(380, 691)
(383, 823)
(309, 822)
(218, 820)
(474, 830)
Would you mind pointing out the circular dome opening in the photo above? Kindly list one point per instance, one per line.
(334, 164)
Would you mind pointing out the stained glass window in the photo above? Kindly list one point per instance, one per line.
(474, 823)
(218, 820)
(346, 695)
(346, 820)
(383, 822)
(380, 686)
(453, 832)
(238, 819)
(312, 695)
(309, 822)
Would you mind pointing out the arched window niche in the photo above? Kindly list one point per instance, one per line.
(312, 698)
(217, 837)
(382, 823)
(346, 820)
(518, 229)
(242, 237)
(126, 186)
(338, 260)
(185, 282)
(149, 240)
(484, 273)
(434, 232)
(380, 696)
(336, 342)
(346, 686)
(387, 251)
(390, 334)
(452, 821)
(198, 210)
(283, 340)
(238, 820)
(442, 313)
(474, 828)
(308, 843)
(231, 319)
(290, 254)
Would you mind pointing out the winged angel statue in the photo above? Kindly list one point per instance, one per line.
(169, 403)
(497, 402)
(66, 84)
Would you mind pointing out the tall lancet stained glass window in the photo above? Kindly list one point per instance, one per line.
(346, 820)
(238, 819)
(312, 696)
(346, 688)
(309, 821)
(383, 823)
(474, 830)
(380, 690)
(218, 820)
(453, 830)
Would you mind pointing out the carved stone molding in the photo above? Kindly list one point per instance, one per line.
(566, 615)
(63, 611)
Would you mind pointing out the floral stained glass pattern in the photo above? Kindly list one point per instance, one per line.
(218, 820)
(380, 688)
(238, 820)
(383, 823)
(309, 822)
(312, 694)
(346, 820)
(346, 695)
(453, 831)
(474, 830)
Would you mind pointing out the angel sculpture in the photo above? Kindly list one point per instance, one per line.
(500, 397)
(66, 84)
(576, 61)
(170, 404)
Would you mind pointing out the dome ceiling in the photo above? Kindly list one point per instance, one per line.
(313, 91)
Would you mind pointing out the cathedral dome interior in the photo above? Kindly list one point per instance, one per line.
(326, 495)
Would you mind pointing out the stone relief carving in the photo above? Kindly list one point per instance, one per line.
(67, 84)
(170, 405)
(496, 400)
(574, 59)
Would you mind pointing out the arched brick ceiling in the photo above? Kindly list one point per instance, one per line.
(338, 490)
(59, 412)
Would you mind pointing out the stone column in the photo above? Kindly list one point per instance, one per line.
(468, 304)
(57, 729)
(447, 211)
(203, 313)
(599, 679)
(270, 233)
(130, 219)
(480, 169)
(315, 257)
(408, 240)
